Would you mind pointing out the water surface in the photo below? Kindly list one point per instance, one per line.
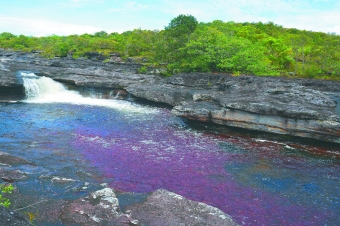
(258, 179)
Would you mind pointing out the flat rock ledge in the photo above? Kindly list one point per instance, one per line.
(298, 107)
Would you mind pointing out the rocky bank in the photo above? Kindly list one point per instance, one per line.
(297, 107)
(99, 207)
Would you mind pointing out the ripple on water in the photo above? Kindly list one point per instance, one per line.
(265, 182)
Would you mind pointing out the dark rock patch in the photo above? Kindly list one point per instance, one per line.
(11, 218)
(9, 176)
(7, 159)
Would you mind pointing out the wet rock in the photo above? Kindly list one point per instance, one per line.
(7, 159)
(10, 176)
(167, 208)
(11, 218)
(99, 208)
(43, 210)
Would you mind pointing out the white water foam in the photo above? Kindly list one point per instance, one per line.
(46, 90)
(274, 142)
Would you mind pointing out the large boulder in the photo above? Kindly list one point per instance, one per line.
(168, 208)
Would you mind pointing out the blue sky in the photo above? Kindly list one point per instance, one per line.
(65, 17)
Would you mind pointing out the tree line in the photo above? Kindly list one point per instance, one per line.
(185, 45)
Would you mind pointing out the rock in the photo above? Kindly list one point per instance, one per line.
(95, 55)
(11, 218)
(303, 108)
(115, 59)
(10, 176)
(167, 208)
(7, 159)
(99, 208)
(56, 63)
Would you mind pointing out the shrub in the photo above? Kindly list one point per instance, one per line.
(8, 188)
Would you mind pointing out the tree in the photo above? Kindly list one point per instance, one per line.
(176, 35)
(182, 25)
(102, 34)
(6, 35)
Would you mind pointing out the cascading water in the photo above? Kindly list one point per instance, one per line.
(43, 89)
(46, 90)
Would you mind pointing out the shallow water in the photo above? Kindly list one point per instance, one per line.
(258, 179)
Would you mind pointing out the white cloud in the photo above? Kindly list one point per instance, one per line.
(318, 21)
(39, 27)
(119, 16)
(301, 14)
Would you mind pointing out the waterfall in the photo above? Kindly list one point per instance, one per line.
(46, 90)
(43, 89)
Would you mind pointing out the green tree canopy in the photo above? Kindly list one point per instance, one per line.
(182, 25)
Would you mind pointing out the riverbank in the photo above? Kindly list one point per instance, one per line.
(297, 107)
(98, 206)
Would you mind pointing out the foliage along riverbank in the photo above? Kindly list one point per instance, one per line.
(188, 46)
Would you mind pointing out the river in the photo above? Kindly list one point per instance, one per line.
(256, 178)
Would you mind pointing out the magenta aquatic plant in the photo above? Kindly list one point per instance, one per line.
(203, 167)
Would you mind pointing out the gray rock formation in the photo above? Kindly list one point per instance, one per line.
(161, 208)
(99, 208)
(167, 208)
(303, 108)
(297, 107)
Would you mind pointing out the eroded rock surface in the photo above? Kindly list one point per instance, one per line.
(161, 208)
(168, 208)
(298, 107)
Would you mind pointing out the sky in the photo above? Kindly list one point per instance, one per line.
(66, 17)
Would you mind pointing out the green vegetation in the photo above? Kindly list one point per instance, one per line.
(188, 46)
(5, 189)
(142, 70)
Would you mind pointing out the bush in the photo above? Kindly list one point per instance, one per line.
(5, 189)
